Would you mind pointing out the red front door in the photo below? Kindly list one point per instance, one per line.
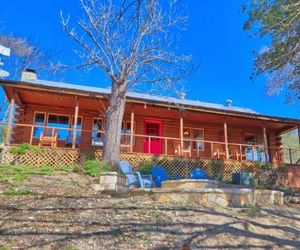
(152, 130)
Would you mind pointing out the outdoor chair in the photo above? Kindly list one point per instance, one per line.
(69, 140)
(198, 174)
(48, 137)
(219, 151)
(235, 154)
(135, 179)
(125, 147)
(186, 151)
(96, 139)
(159, 174)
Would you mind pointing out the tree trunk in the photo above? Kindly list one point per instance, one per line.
(114, 115)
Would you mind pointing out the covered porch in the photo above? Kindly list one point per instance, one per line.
(71, 121)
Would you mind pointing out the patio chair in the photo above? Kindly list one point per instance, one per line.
(186, 151)
(48, 137)
(135, 179)
(125, 148)
(219, 151)
(159, 174)
(69, 140)
(198, 174)
(235, 153)
(96, 139)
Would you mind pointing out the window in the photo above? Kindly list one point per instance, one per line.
(186, 137)
(61, 122)
(194, 137)
(39, 119)
(198, 134)
(125, 132)
(257, 152)
(78, 131)
(98, 126)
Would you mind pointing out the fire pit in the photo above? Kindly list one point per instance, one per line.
(190, 184)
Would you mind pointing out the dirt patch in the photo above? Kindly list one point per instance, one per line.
(65, 213)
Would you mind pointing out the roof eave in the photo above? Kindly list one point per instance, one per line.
(36, 86)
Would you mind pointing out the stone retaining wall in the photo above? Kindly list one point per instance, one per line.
(225, 197)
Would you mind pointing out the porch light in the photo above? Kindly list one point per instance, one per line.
(145, 106)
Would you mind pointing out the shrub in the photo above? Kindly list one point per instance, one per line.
(96, 167)
(21, 149)
(25, 147)
(145, 168)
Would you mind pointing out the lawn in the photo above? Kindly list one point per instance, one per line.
(57, 209)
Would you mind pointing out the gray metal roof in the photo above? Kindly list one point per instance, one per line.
(141, 96)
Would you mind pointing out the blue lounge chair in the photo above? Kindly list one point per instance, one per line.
(96, 139)
(69, 140)
(159, 174)
(135, 179)
(198, 174)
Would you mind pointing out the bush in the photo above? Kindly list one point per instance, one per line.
(21, 149)
(96, 167)
(145, 168)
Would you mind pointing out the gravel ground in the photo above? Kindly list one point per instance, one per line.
(64, 213)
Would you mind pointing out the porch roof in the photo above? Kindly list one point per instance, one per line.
(76, 89)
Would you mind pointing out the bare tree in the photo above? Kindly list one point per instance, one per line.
(27, 53)
(133, 42)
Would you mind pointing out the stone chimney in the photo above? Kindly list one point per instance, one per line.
(29, 75)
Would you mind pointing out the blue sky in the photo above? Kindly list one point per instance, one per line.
(214, 37)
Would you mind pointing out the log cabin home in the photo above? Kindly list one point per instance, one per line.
(57, 114)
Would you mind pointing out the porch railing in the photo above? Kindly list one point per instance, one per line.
(138, 143)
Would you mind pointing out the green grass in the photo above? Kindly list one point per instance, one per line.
(17, 191)
(4, 248)
(69, 248)
(16, 174)
(95, 167)
(24, 148)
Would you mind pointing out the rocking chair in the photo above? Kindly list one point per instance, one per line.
(48, 137)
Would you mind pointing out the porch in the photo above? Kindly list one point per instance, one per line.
(184, 146)
(49, 116)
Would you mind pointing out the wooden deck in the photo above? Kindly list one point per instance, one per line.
(130, 143)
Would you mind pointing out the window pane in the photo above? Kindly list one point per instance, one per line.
(39, 117)
(125, 131)
(60, 122)
(98, 126)
(38, 120)
(78, 131)
(79, 123)
(198, 134)
(186, 135)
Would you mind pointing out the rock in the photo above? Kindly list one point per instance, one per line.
(112, 181)
(293, 199)
(96, 187)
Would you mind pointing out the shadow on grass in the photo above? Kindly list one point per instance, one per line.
(188, 232)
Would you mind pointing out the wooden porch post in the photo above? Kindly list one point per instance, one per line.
(265, 143)
(181, 134)
(131, 131)
(75, 124)
(226, 140)
(11, 114)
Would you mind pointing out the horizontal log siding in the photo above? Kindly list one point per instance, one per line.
(170, 124)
